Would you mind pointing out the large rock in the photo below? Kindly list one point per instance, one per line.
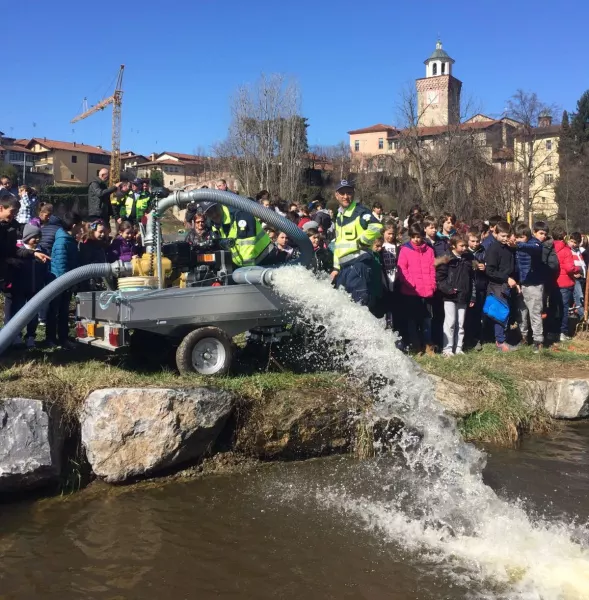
(31, 443)
(455, 398)
(130, 432)
(562, 398)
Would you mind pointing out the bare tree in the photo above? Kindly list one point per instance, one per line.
(267, 136)
(444, 164)
(530, 158)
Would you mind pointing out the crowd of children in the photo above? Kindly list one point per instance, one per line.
(448, 287)
(443, 286)
(47, 247)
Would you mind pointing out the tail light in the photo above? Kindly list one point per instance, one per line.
(81, 330)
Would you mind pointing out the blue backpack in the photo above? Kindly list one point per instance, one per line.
(496, 309)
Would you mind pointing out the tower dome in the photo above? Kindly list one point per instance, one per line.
(439, 63)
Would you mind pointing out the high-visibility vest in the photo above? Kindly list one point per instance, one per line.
(356, 229)
(246, 252)
(141, 205)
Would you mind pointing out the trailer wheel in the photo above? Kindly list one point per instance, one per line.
(206, 351)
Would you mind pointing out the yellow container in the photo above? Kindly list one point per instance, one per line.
(143, 265)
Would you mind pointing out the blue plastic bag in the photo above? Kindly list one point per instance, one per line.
(496, 309)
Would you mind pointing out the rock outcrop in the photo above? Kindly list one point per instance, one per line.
(133, 432)
(31, 443)
(298, 423)
(562, 398)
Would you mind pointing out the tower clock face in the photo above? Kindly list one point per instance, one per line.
(433, 97)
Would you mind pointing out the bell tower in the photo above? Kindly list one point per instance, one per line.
(438, 93)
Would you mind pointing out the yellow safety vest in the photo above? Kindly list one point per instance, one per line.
(141, 205)
(247, 252)
(356, 229)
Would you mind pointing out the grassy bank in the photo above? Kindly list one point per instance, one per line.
(491, 382)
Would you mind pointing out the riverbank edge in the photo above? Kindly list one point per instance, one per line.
(283, 417)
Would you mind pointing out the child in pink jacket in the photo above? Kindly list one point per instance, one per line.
(416, 275)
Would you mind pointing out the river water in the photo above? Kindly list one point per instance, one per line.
(263, 534)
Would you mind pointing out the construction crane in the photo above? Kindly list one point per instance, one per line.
(117, 103)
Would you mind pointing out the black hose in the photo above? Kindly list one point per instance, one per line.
(9, 332)
(270, 217)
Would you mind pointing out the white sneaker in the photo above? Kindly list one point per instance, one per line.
(564, 337)
(30, 342)
(458, 351)
(447, 354)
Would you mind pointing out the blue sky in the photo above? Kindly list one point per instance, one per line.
(184, 60)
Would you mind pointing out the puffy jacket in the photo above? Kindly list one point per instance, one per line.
(528, 259)
(48, 232)
(442, 244)
(124, 250)
(29, 276)
(415, 270)
(455, 279)
(99, 199)
(64, 256)
(567, 264)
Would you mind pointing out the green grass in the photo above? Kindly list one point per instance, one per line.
(493, 382)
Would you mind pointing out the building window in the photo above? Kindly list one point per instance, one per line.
(549, 161)
(434, 69)
(390, 143)
(443, 68)
(548, 144)
(380, 143)
(548, 178)
(18, 156)
(72, 176)
(74, 159)
(357, 146)
(171, 183)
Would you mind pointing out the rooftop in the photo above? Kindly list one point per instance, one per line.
(184, 157)
(374, 129)
(439, 54)
(69, 146)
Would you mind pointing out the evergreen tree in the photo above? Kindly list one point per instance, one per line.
(580, 126)
(566, 144)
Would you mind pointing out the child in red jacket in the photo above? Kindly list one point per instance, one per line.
(566, 278)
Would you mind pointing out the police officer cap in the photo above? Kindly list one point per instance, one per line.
(137, 182)
(344, 183)
(204, 206)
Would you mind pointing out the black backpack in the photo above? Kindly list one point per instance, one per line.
(550, 259)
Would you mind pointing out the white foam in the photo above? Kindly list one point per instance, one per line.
(454, 516)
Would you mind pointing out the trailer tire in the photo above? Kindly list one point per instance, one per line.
(206, 351)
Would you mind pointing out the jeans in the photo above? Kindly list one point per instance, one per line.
(579, 296)
(530, 304)
(454, 314)
(566, 295)
(500, 333)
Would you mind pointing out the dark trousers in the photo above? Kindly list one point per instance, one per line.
(473, 327)
(566, 295)
(58, 318)
(13, 302)
(417, 314)
(500, 333)
(355, 279)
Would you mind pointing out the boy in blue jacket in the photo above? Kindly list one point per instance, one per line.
(531, 271)
(64, 258)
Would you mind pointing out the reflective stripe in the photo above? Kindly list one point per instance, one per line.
(246, 242)
(345, 245)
